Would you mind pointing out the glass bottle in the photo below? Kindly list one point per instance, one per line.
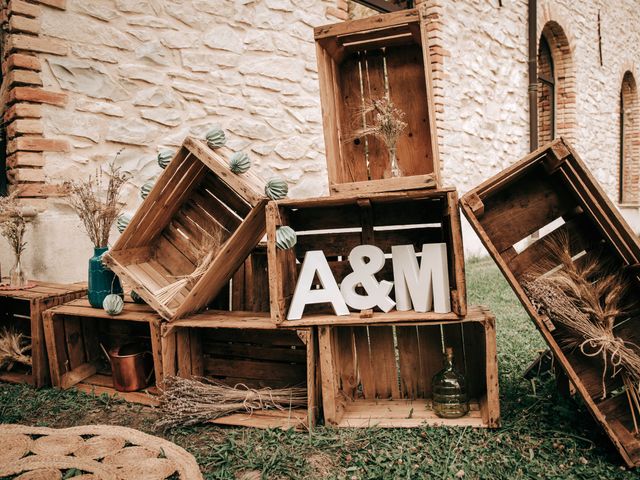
(450, 399)
(17, 278)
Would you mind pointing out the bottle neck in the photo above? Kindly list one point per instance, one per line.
(448, 361)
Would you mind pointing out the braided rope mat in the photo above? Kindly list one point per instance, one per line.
(101, 452)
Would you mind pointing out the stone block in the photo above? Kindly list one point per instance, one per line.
(86, 78)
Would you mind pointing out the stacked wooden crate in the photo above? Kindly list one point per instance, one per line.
(376, 367)
(366, 368)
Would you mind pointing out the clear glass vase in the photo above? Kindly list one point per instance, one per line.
(395, 168)
(17, 277)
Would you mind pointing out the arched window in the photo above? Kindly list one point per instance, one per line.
(556, 85)
(629, 141)
(546, 94)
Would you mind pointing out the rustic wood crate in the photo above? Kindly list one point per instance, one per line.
(195, 196)
(337, 224)
(380, 375)
(245, 348)
(358, 61)
(74, 332)
(551, 193)
(22, 310)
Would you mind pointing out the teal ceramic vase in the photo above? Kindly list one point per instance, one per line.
(102, 281)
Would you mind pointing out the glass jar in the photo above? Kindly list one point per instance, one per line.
(17, 278)
(449, 389)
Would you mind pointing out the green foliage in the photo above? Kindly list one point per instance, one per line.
(543, 435)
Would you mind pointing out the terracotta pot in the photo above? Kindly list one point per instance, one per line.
(131, 365)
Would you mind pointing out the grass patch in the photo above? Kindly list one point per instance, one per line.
(543, 435)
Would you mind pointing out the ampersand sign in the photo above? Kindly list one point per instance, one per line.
(364, 274)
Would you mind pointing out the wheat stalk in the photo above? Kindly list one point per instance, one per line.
(13, 348)
(98, 206)
(191, 401)
(13, 224)
(587, 299)
(207, 253)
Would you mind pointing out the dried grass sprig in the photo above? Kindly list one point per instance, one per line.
(13, 349)
(190, 401)
(587, 298)
(98, 206)
(207, 253)
(13, 224)
(387, 124)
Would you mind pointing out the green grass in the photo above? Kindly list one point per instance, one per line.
(543, 435)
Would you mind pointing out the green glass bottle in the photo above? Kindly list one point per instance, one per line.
(450, 398)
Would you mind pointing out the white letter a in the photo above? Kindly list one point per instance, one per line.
(315, 262)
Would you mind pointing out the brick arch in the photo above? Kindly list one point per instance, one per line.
(556, 107)
(629, 181)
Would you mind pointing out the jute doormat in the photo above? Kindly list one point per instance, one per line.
(102, 452)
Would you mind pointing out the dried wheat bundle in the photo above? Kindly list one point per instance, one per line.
(587, 299)
(190, 401)
(98, 206)
(207, 253)
(13, 349)
(12, 223)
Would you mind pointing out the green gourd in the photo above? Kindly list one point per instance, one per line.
(285, 238)
(113, 304)
(164, 157)
(216, 138)
(146, 188)
(239, 163)
(122, 222)
(276, 188)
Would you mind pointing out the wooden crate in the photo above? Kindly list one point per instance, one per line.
(380, 375)
(356, 60)
(551, 192)
(22, 310)
(74, 332)
(245, 348)
(337, 224)
(196, 195)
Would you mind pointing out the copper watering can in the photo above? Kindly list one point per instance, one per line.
(131, 366)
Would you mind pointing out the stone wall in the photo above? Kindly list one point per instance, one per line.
(479, 56)
(138, 76)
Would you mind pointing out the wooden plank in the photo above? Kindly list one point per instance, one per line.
(353, 164)
(374, 89)
(156, 350)
(366, 369)
(346, 362)
(378, 22)
(431, 356)
(75, 342)
(195, 347)
(77, 375)
(406, 77)
(183, 352)
(411, 381)
(143, 397)
(249, 187)
(415, 182)
(52, 347)
(329, 387)
(383, 361)
(169, 362)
